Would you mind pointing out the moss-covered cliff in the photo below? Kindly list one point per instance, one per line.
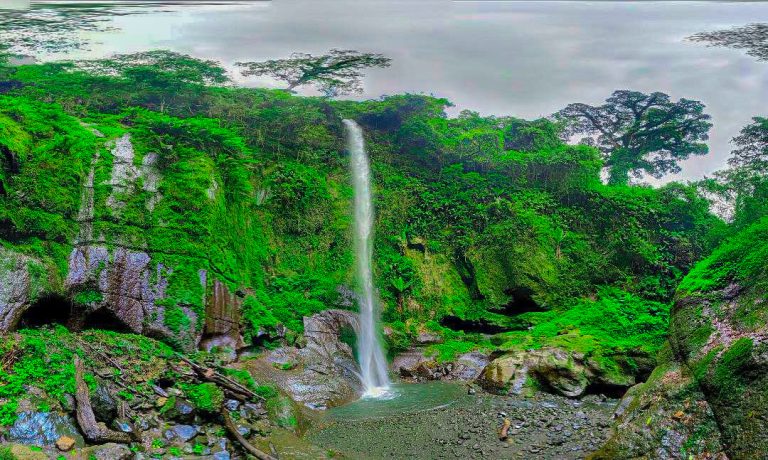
(709, 393)
(215, 212)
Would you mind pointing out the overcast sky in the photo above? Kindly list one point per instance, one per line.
(526, 59)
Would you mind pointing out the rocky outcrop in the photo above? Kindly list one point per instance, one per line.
(562, 372)
(222, 319)
(722, 338)
(123, 280)
(321, 374)
(416, 365)
(666, 417)
(709, 397)
(22, 281)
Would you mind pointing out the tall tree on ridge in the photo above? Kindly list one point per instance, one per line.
(337, 72)
(640, 133)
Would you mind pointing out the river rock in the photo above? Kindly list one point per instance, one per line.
(181, 432)
(182, 411)
(43, 429)
(65, 443)
(415, 365)
(110, 451)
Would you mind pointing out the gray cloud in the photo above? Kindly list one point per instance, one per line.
(518, 58)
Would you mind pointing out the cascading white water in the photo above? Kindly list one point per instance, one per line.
(373, 365)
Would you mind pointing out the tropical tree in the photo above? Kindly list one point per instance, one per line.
(744, 186)
(163, 77)
(752, 146)
(334, 73)
(640, 133)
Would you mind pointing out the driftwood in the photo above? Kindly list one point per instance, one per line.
(95, 432)
(504, 432)
(232, 429)
(235, 389)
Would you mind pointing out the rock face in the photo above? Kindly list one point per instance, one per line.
(139, 257)
(566, 373)
(666, 417)
(22, 281)
(222, 319)
(709, 397)
(117, 278)
(323, 373)
(723, 340)
(415, 365)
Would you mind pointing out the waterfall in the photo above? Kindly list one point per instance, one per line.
(373, 365)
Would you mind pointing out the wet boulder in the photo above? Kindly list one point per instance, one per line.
(560, 371)
(43, 429)
(415, 365)
(321, 374)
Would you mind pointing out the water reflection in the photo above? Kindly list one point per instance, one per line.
(753, 38)
(34, 27)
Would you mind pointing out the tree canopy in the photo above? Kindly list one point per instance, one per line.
(752, 146)
(165, 65)
(334, 73)
(641, 133)
(743, 187)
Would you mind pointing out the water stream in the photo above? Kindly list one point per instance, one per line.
(373, 364)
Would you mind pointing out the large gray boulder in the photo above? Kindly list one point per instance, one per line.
(321, 374)
(560, 371)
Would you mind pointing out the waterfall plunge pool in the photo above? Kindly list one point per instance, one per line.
(400, 398)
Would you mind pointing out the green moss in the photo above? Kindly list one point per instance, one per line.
(206, 396)
(450, 350)
(6, 454)
(88, 297)
(41, 350)
(727, 374)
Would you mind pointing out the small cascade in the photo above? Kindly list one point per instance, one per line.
(373, 365)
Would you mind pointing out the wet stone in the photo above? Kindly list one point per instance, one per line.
(181, 432)
(43, 429)
(232, 404)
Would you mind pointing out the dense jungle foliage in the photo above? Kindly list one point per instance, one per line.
(485, 225)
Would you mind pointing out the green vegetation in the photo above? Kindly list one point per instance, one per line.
(485, 225)
(206, 396)
(36, 351)
(613, 323)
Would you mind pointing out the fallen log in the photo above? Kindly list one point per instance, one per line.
(236, 389)
(232, 429)
(94, 431)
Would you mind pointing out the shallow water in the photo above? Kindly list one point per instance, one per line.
(403, 398)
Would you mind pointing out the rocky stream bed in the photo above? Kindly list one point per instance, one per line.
(542, 427)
